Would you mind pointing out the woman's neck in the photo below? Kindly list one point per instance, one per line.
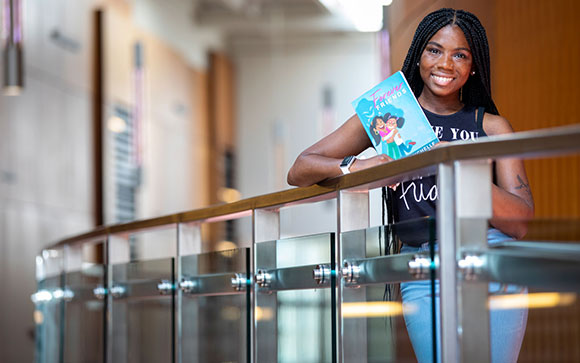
(446, 105)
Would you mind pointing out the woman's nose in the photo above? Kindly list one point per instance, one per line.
(446, 62)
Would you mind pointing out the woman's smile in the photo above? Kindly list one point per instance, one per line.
(441, 80)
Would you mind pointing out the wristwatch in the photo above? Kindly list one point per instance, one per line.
(346, 163)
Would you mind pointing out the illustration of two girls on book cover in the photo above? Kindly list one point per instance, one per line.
(384, 130)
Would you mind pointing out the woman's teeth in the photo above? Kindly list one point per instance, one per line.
(441, 80)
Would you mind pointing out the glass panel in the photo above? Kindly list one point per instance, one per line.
(84, 295)
(49, 306)
(385, 308)
(531, 291)
(552, 330)
(142, 318)
(215, 317)
(298, 219)
(84, 316)
(143, 245)
(48, 316)
(294, 315)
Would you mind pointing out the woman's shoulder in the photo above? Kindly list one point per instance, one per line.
(496, 125)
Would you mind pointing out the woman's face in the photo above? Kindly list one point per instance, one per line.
(391, 124)
(445, 62)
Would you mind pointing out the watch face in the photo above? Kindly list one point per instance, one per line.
(346, 160)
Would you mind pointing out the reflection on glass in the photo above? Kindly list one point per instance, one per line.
(83, 335)
(295, 325)
(374, 309)
(532, 294)
(304, 326)
(142, 318)
(375, 315)
(48, 316)
(143, 245)
(535, 300)
(214, 315)
(547, 322)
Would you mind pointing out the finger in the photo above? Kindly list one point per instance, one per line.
(440, 143)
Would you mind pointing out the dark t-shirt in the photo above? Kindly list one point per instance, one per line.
(417, 198)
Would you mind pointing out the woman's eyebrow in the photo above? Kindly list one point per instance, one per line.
(434, 43)
(440, 46)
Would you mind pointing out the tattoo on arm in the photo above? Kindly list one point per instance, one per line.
(524, 186)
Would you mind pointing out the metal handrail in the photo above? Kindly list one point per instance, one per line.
(529, 144)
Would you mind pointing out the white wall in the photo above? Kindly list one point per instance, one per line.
(46, 142)
(172, 21)
(45, 160)
(280, 86)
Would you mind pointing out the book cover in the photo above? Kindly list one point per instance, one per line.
(393, 119)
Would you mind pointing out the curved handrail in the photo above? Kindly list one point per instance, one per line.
(528, 144)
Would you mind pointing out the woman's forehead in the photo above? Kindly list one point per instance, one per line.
(450, 36)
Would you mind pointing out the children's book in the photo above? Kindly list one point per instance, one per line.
(393, 119)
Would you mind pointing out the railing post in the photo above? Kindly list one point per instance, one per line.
(108, 314)
(188, 243)
(462, 215)
(473, 210)
(447, 259)
(352, 213)
(265, 227)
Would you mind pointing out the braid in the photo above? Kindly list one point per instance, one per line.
(477, 89)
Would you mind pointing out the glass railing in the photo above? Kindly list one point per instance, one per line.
(526, 291)
(380, 275)
(428, 290)
(214, 301)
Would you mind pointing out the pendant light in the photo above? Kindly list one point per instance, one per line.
(13, 54)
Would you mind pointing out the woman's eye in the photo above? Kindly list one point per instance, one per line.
(433, 50)
(461, 56)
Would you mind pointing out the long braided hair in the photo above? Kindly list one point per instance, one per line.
(476, 92)
(477, 89)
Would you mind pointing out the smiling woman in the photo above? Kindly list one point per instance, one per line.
(448, 69)
(445, 66)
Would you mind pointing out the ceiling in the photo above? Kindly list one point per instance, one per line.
(247, 18)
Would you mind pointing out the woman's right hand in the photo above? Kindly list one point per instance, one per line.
(361, 164)
(370, 162)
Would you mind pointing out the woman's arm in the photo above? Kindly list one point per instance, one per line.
(322, 160)
(512, 198)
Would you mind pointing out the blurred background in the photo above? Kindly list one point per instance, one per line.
(116, 110)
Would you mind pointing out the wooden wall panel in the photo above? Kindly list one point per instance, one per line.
(174, 125)
(225, 102)
(200, 138)
(536, 75)
(536, 55)
(221, 130)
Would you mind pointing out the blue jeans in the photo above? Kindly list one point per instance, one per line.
(507, 326)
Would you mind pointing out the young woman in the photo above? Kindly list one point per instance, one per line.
(448, 69)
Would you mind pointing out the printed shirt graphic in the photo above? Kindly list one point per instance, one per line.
(417, 198)
(393, 119)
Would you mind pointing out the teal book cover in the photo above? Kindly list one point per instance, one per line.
(393, 119)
